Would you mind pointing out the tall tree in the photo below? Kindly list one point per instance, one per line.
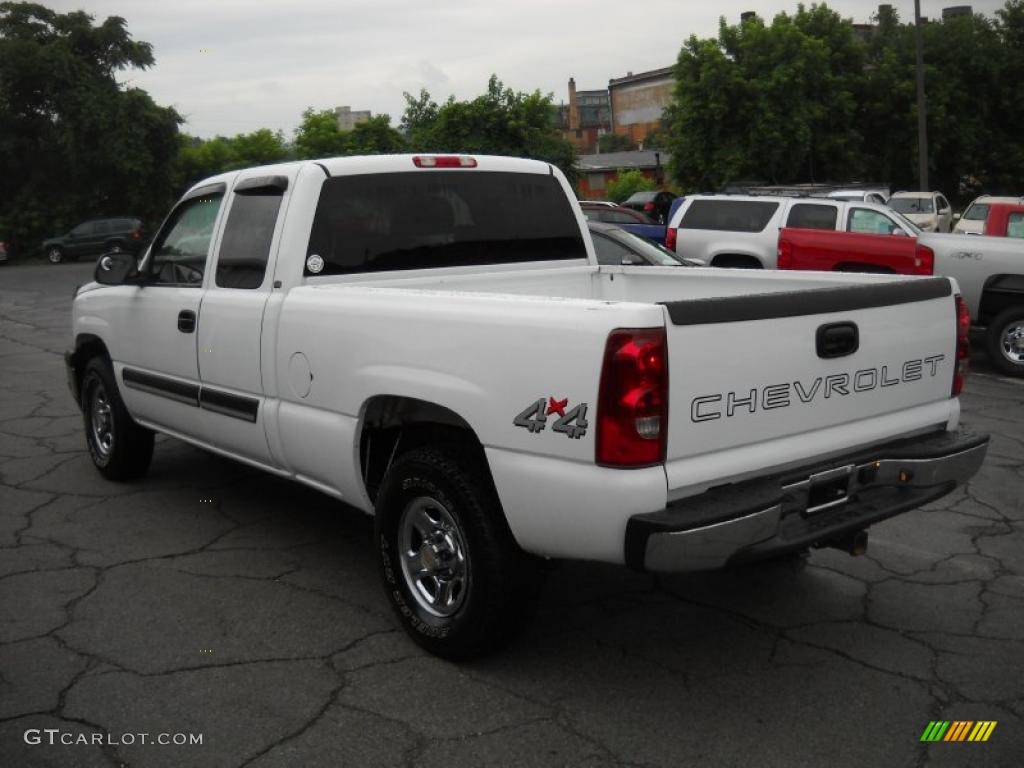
(73, 141)
(500, 122)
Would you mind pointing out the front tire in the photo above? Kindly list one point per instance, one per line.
(54, 255)
(451, 569)
(1004, 341)
(120, 449)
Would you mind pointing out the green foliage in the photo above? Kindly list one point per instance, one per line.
(803, 99)
(628, 182)
(319, 136)
(498, 122)
(74, 143)
(614, 142)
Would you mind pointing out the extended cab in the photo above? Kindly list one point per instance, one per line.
(431, 340)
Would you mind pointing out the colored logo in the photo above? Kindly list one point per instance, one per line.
(958, 730)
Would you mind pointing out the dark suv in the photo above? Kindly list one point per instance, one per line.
(96, 237)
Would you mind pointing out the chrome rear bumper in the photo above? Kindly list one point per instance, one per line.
(773, 515)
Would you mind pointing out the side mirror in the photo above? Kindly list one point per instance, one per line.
(114, 268)
(956, 217)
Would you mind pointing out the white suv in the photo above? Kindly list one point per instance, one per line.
(931, 211)
(742, 231)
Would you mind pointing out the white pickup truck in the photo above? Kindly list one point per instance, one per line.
(431, 340)
(990, 273)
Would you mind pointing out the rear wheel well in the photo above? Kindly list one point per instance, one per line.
(736, 261)
(1001, 292)
(393, 426)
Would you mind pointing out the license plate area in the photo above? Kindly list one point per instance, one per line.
(828, 489)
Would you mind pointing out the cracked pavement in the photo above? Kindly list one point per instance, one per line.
(256, 619)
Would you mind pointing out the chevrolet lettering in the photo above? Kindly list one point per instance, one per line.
(711, 407)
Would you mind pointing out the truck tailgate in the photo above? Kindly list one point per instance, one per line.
(749, 370)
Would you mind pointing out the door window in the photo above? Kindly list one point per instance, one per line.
(942, 202)
(1015, 225)
(101, 228)
(245, 248)
(83, 229)
(729, 215)
(180, 250)
(866, 221)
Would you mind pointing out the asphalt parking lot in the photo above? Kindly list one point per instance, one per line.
(211, 600)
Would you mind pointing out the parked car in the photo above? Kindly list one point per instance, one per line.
(990, 273)
(1005, 220)
(930, 211)
(878, 196)
(632, 221)
(974, 218)
(655, 204)
(96, 237)
(457, 364)
(742, 231)
(613, 245)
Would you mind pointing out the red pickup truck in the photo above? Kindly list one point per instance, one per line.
(834, 251)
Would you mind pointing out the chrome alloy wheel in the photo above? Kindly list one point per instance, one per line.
(435, 561)
(1012, 341)
(101, 421)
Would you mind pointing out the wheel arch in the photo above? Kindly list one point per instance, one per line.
(391, 425)
(999, 293)
(87, 346)
(737, 256)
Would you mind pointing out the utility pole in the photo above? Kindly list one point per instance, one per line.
(922, 115)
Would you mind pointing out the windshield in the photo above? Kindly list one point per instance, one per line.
(912, 205)
(658, 254)
(977, 212)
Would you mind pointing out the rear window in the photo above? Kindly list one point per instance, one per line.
(809, 216)
(394, 221)
(912, 205)
(729, 215)
(977, 212)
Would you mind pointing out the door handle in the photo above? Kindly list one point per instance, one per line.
(186, 321)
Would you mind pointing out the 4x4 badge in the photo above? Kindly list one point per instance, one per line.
(571, 423)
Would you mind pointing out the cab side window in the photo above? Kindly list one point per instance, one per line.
(245, 247)
(866, 221)
(179, 253)
(812, 216)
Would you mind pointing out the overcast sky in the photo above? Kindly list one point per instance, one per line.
(232, 66)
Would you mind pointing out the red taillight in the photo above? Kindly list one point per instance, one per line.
(924, 260)
(136, 234)
(444, 161)
(671, 235)
(963, 344)
(785, 254)
(648, 206)
(632, 407)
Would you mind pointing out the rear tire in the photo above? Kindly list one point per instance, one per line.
(119, 448)
(1004, 341)
(457, 580)
(54, 255)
